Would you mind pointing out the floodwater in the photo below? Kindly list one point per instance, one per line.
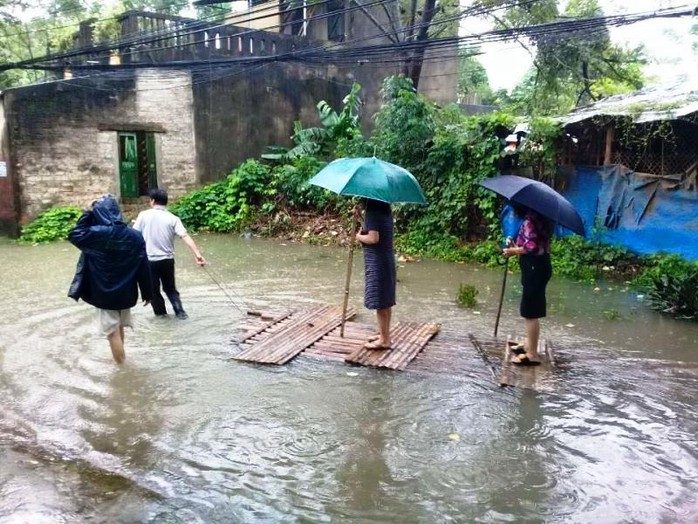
(181, 433)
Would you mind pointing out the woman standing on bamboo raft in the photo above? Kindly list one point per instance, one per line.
(532, 246)
(376, 237)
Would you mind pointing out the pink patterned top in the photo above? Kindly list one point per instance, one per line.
(534, 234)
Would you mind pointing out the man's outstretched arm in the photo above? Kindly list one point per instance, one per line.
(189, 241)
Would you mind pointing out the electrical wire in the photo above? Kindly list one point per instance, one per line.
(364, 54)
(339, 51)
(193, 27)
(153, 37)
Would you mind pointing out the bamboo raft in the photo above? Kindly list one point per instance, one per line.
(278, 337)
(293, 333)
(540, 378)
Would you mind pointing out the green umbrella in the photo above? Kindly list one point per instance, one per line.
(370, 178)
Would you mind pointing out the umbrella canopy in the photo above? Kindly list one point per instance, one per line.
(370, 178)
(539, 197)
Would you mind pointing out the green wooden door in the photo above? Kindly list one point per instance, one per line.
(152, 165)
(128, 164)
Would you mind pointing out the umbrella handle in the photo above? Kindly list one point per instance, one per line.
(348, 278)
(501, 296)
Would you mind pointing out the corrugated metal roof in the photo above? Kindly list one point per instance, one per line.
(649, 104)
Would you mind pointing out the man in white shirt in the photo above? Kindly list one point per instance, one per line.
(159, 228)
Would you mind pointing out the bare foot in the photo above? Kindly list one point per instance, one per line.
(377, 344)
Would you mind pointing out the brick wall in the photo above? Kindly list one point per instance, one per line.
(165, 98)
(64, 135)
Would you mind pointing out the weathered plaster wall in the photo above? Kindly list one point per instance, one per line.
(164, 98)
(64, 135)
(239, 114)
(58, 154)
(439, 79)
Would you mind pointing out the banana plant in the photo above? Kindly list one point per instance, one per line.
(321, 141)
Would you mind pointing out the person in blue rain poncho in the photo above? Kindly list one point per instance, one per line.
(113, 265)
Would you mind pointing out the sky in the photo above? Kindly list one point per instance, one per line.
(668, 45)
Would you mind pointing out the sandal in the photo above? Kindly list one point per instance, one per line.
(518, 349)
(524, 360)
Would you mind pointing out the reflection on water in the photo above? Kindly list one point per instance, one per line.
(183, 434)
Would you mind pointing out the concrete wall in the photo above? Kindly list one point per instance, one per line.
(238, 114)
(265, 17)
(64, 135)
(439, 79)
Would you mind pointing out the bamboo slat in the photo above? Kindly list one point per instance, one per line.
(316, 334)
(300, 330)
(265, 326)
(408, 339)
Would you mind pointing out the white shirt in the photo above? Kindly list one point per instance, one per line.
(159, 228)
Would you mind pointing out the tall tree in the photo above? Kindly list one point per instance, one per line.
(55, 29)
(575, 67)
(473, 83)
(413, 22)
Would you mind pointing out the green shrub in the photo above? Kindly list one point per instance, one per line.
(466, 295)
(405, 124)
(230, 204)
(418, 242)
(672, 285)
(579, 259)
(291, 183)
(488, 253)
(339, 131)
(611, 314)
(53, 224)
(660, 264)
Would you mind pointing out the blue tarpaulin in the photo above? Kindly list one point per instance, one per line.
(643, 214)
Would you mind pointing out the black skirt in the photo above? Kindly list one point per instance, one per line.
(536, 271)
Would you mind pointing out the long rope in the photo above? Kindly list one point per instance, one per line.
(223, 289)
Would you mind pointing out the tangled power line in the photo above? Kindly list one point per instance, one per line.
(357, 51)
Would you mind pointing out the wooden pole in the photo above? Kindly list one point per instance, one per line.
(483, 354)
(348, 279)
(501, 296)
(608, 152)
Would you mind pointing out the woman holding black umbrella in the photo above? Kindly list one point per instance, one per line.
(541, 208)
(532, 246)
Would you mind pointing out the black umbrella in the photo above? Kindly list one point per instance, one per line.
(539, 197)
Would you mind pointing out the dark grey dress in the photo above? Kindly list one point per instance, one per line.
(379, 259)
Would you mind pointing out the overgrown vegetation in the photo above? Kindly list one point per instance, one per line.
(673, 285)
(53, 224)
(449, 153)
(571, 68)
